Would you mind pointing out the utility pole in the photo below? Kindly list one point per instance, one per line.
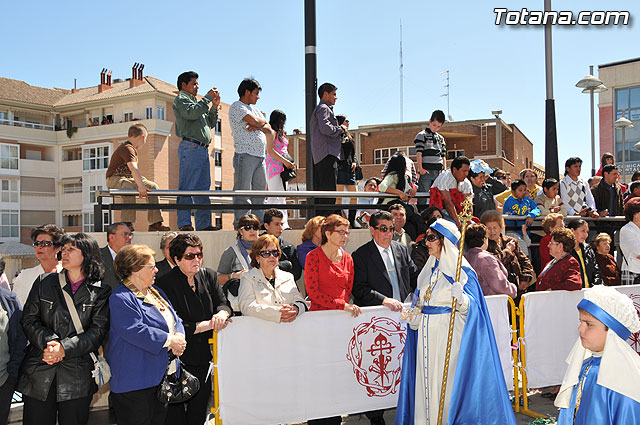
(401, 78)
(550, 135)
(446, 87)
(311, 83)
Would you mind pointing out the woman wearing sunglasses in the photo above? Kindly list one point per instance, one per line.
(235, 259)
(266, 292)
(473, 355)
(197, 296)
(46, 242)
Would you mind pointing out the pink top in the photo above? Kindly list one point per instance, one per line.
(274, 166)
(75, 285)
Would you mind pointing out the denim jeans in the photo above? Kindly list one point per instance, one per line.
(249, 173)
(424, 184)
(194, 174)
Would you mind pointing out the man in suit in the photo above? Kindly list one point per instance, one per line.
(118, 235)
(167, 264)
(384, 274)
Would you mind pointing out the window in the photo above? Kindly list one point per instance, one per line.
(72, 188)
(9, 157)
(218, 221)
(160, 113)
(381, 156)
(148, 113)
(92, 193)
(127, 116)
(218, 158)
(451, 155)
(95, 158)
(87, 221)
(219, 127)
(9, 224)
(71, 221)
(72, 154)
(9, 190)
(218, 186)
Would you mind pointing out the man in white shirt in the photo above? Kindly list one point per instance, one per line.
(450, 188)
(575, 192)
(46, 241)
(250, 131)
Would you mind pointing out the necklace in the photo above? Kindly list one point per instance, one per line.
(432, 284)
(580, 390)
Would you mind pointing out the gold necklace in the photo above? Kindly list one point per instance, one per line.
(580, 390)
(432, 284)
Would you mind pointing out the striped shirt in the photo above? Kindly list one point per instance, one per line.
(433, 149)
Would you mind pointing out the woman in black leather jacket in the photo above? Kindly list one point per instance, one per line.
(55, 376)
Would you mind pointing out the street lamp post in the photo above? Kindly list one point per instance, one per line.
(623, 124)
(592, 85)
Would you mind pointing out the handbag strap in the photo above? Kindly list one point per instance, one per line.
(62, 279)
(241, 258)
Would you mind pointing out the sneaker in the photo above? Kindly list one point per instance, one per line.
(158, 227)
(187, 228)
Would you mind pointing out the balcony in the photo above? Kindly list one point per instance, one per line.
(115, 131)
(27, 132)
(25, 124)
(70, 169)
(38, 168)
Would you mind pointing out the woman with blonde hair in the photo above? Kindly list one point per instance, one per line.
(266, 291)
(311, 238)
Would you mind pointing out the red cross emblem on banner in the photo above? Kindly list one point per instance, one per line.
(375, 352)
(634, 339)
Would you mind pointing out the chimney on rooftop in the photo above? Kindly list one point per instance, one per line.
(136, 75)
(105, 80)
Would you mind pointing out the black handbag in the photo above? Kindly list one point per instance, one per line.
(358, 173)
(179, 386)
(231, 287)
(287, 174)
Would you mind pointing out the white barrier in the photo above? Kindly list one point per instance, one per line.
(325, 363)
(551, 329)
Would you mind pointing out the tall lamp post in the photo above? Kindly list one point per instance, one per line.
(592, 85)
(623, 124)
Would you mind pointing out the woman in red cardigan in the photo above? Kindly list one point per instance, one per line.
(550, 223)
(328, 273)
(563, 271)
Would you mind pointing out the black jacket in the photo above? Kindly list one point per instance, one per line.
(46, 318)
(602, 197)
(17, 341)
(289, 261)
(371, 282)
(590, 263)
(193, 307)
(163, 268)
(110, 277)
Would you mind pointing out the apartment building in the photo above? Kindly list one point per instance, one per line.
(55, 146)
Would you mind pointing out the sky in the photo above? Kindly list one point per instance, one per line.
(491, 67)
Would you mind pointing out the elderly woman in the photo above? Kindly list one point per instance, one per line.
(630, 242)
(46, 242)
(610, 271)
(311, 238)
(473, 345)
(144, 328)
(167, 264)
(235, 259)
(55, 376)
(328, 277)
(266, 292)
(492, 274)
(507, 250)
(200, 302)
(563, 271)
(550, 223)
(584, 254)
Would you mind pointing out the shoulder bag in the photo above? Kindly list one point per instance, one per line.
(179, 386)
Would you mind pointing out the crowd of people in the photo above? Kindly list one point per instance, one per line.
(151, 319)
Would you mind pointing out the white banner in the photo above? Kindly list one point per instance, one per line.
(551, 328)
(498, 306)
(325, 363)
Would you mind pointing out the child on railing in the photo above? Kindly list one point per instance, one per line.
(601, 382)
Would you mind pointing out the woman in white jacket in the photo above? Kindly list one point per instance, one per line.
(630, 243)
(266, 292)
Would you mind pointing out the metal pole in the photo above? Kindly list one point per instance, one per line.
(498, 137)
(311, 83)
(593, 137)
(551, 137)
(624, 149)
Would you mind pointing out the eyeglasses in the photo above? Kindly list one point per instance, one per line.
(342, 232)
(43, 244)
(190, 256)
(149, 265)
(383, 229)
(250, 227)
(266, 254)
(432, 238)
(501, 177)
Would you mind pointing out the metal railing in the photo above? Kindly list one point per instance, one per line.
(25, 124)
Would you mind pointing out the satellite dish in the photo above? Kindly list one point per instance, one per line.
(450, 118)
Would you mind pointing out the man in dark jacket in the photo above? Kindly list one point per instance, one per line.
(289, 259)
(608, 193)
(118, 235)
(12, 344)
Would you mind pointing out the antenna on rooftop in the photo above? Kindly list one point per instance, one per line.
(401, 77)
(75, 83)
(446, 87)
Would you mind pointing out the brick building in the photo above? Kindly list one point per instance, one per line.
(55, 146)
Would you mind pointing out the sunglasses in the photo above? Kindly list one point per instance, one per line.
(190, 256)
(250, 227)
(384, 229)
(266, 254)
(432, 238)
(43, 244)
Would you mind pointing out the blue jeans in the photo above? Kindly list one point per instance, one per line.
(194, 174)
(249, 173)
(424, 184)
